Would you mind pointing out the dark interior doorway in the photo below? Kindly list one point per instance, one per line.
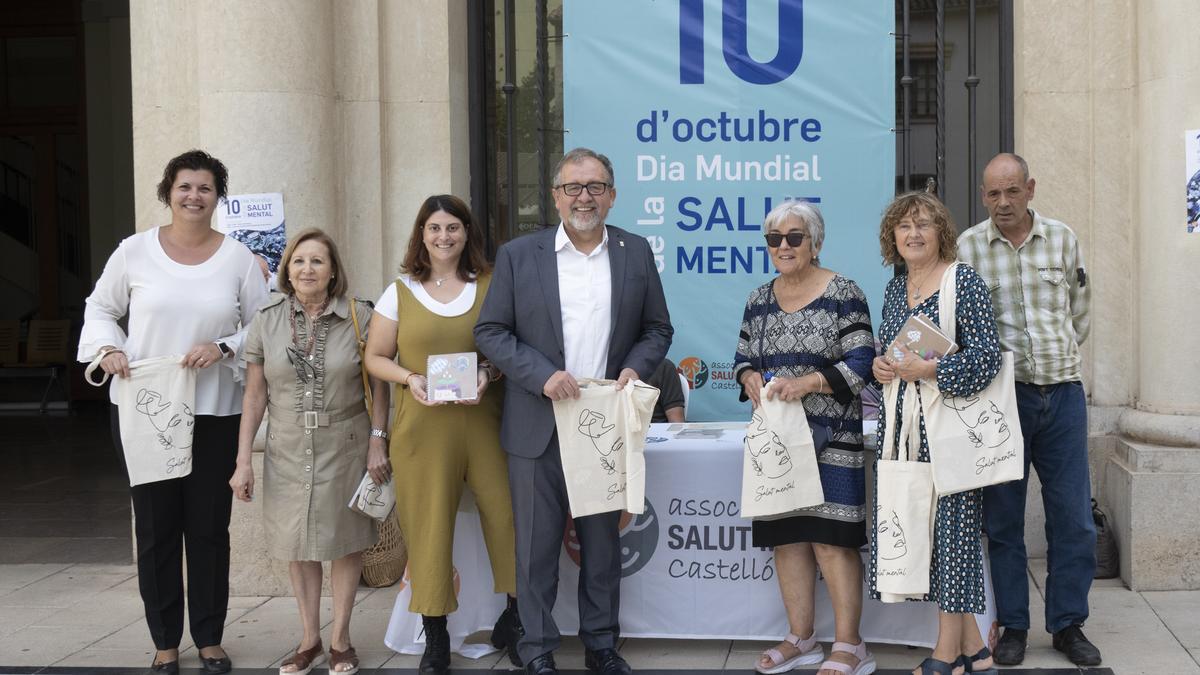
(66, 200)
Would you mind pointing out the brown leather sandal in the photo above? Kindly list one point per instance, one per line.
(304, 661)
(348, 657)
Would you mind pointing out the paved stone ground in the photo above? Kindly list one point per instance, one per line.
(74, 617)
(69, 600)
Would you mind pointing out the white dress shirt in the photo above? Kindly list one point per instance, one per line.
(585, 295)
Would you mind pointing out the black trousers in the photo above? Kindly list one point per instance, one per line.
(191, 512)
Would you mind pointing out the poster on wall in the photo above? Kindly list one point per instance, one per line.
(1192, 163)
(712, 111)
(257, 221)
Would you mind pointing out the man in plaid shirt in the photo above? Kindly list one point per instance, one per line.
(1040, 294)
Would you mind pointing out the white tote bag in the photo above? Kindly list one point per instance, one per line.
(601, 438)
(779, 461)
(155, 406)
(904, 508)
(976, 440)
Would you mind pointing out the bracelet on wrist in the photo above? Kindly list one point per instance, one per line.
(379, 433)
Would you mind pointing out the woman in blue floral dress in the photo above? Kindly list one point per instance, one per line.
(918, 231)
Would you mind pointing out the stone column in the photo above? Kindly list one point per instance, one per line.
(423, 109)
(1073, 77)
(355, 111)
(1157, 464)
(1101, 110)
(163, 45)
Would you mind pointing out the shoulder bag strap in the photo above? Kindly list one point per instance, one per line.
(362, 355)
(948, 300)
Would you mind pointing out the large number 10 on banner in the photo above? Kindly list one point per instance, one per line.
(712, 111)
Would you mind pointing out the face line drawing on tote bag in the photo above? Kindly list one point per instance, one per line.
(1000, 433)
(593, 425)
(150, 403)
(601, 438)
(155, 416)
(374, 496)
(899, 542)
(783, 460)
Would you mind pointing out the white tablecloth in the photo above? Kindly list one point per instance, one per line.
(689, 568)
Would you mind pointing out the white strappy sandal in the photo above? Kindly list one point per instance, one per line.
(810, 652)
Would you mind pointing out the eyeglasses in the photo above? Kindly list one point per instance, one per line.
(576, 189)
(794, 238)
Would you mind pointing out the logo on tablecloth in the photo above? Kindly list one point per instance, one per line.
(639, 540)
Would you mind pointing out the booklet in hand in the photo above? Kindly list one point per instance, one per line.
(452, 377)
(923, 337)
(374, 501)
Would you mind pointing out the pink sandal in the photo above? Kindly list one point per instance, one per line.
(809, 653)
(866, 662)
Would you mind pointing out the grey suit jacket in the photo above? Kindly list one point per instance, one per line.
(520, 327)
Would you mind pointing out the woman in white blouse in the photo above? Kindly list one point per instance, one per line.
(185, 289)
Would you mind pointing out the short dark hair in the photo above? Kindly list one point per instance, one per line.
(576, 156)
(471, 263)
(906, 204)
(195, 160)
(338, 285)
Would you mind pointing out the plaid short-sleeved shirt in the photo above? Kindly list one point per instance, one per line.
(1040, 293)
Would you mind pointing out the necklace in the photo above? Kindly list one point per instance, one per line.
(438, 282)
(312, 333)
(917, 287)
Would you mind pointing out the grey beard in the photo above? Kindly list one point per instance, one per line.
(583, 223)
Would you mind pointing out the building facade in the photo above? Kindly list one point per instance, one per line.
(358, 109)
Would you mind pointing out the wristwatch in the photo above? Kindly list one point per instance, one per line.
(226, 352)
(379, 433)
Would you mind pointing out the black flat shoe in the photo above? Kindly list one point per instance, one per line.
(219, 665)
(1072, 642)
(167, 667)
(1010, 649)
(542, 665)
(507, 633)
(436, 659)
(606, 662)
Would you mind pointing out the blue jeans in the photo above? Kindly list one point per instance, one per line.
(1054, 423)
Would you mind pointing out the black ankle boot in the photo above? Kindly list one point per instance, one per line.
(436, 659)
(508, 632)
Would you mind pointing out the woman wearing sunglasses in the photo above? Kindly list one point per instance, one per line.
(808, 332)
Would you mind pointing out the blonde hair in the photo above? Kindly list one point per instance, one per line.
(338, 284)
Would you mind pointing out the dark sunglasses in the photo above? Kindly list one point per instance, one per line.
(794, 238)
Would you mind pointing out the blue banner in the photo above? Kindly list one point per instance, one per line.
(713, 110)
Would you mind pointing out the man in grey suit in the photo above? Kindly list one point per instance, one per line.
(580, 300)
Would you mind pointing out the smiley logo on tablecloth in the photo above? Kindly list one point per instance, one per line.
(639, 540)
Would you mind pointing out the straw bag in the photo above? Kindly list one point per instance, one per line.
(384, 563)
